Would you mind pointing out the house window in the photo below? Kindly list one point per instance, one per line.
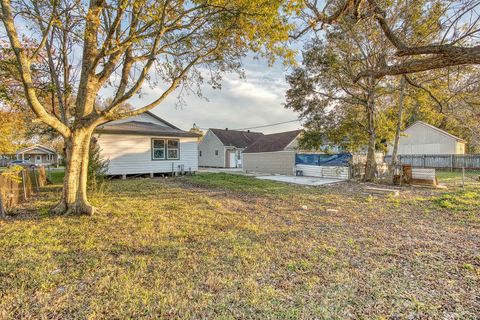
(200, 153)
(216, 152)
(163, 149)
(158, 149)
(172, 149)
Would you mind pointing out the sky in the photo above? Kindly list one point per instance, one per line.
(256, 100)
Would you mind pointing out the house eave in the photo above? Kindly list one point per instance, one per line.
(149, 133)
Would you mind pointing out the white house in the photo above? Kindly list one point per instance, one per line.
(223, 148)
(38, 154)
(147, 144)
(423, 138)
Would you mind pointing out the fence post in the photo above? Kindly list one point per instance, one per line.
(2, 209)
(24, 186)
(451, 162)
(463, 177)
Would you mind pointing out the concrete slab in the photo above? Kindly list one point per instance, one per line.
(307, 181)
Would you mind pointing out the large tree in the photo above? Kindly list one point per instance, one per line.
(326, 94)
(124, 45)
(456, 44)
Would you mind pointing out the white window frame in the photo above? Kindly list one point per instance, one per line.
(165, 149)
(153, 149)
(177, 149)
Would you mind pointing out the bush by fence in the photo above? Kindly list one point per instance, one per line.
(17, 185)
(449, 161)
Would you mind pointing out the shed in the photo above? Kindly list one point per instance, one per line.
(272, 153)
(423, 138)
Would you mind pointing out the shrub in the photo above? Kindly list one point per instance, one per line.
(97, 167)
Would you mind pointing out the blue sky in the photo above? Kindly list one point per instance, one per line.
(256, 100)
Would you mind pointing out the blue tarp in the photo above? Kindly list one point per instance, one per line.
(338, 160)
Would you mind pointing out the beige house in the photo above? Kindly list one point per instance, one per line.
(423, 138)
(223, 148)
(272, 153)
(39, 155)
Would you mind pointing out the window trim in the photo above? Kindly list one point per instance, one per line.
(177, 148)
(165, 143)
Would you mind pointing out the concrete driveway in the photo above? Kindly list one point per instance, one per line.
(307, 181)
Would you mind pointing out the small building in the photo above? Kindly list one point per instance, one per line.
(423, 138)
(147, 144)
(39, 155)
(272, 153)
(223, 148)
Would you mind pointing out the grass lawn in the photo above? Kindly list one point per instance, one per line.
(222, 246)
(455, 177)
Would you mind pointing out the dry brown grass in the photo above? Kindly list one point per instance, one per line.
(230, 247)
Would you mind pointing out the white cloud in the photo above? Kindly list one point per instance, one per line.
(254, 101)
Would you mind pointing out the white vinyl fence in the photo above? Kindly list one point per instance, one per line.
(331, 172)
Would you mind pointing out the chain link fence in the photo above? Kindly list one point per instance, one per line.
(18, 185)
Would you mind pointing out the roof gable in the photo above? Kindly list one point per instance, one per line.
(146, 123)
(146, 117)
(431, 127)
(144, 128)
(273, 142)
(235, 138)
(36, 146)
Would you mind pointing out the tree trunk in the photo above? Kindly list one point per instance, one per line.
(371, 164)
(74, 197)
(401, 97)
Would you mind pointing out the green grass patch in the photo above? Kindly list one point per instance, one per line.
(471, 176)
(242, 183)
(466, 200)
(56, 176)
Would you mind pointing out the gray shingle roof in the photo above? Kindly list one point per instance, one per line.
(273, 142)
(235, 138)
(144, 128)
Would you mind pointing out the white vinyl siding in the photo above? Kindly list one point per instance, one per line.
(342, 173)
(209, 146)
(422, 139)
(132, 154)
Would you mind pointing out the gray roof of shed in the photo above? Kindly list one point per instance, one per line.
(273, 142)
(235, 138)
(144, 128)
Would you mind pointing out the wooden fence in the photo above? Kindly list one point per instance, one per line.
(449, 161)
(20, 186)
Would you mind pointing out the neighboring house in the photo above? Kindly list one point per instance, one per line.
(223, 148)
(38, 154)
(147, 144)
(423, 138)
(272, 153)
